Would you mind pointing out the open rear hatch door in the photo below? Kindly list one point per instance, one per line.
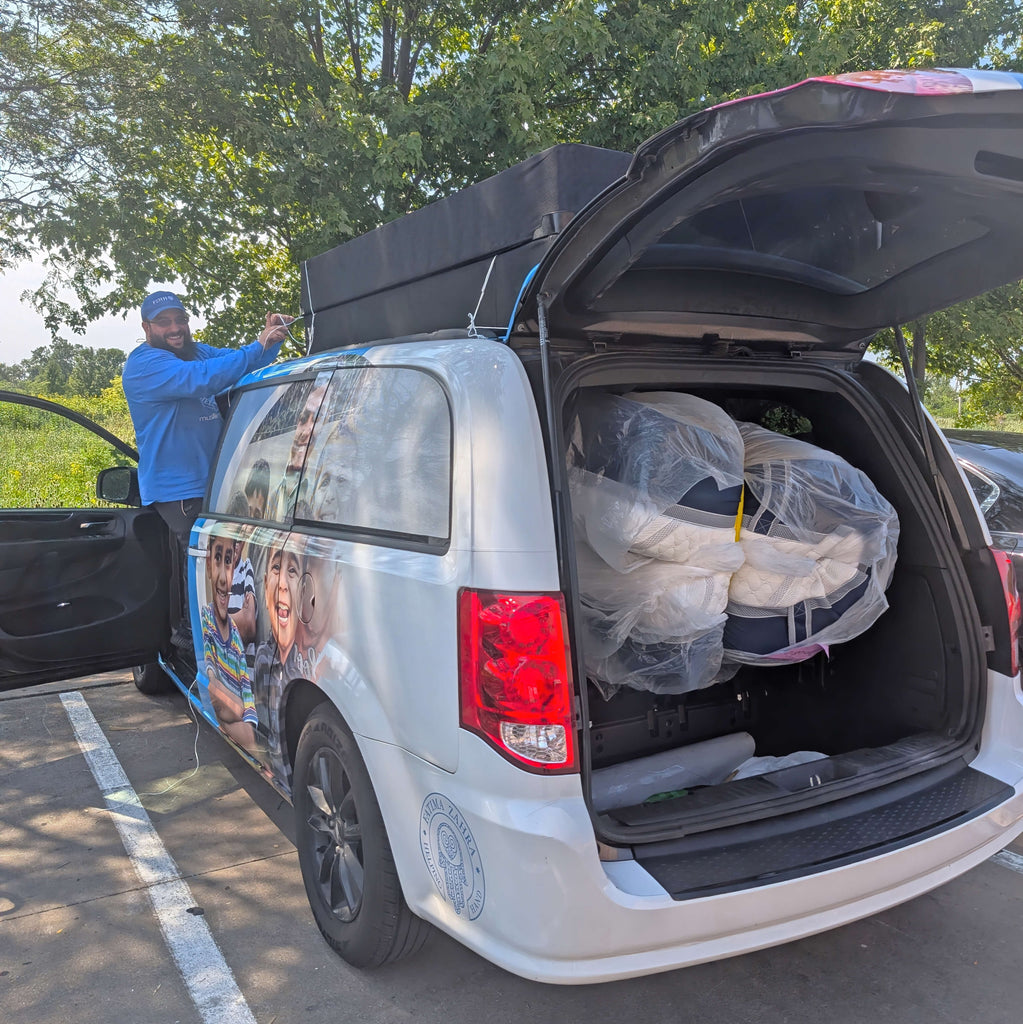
(798, 222)
(806, 218)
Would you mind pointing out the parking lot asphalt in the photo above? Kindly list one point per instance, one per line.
(80, 941)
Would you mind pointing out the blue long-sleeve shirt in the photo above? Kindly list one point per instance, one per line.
(173, 407)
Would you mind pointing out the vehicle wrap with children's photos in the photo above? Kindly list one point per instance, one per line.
(241, 684)
(286, 508)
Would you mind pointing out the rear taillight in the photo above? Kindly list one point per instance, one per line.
(1007, 571)
(514, 679)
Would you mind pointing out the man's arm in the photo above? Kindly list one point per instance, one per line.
(153, 372)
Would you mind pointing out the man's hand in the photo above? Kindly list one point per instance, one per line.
(275, 330)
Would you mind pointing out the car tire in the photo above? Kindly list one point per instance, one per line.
(345, 856)
(151, 679)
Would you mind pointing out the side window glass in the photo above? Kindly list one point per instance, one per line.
(259, 474)
(984, 488)
(49, 461)
(380, 460)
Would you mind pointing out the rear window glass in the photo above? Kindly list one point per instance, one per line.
(842, 240)
(1000, 498)
(380, 458)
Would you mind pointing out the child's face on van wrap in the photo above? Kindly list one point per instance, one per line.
(320, 585)
(283, 575)
(220, 574)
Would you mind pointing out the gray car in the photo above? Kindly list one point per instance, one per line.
(993, 463)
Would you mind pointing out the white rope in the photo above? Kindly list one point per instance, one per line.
(473, 333)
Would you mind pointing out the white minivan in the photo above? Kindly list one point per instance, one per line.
(648, 624)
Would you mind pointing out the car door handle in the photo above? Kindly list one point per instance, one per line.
(94, 524)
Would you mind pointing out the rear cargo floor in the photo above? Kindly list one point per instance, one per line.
(703, 808)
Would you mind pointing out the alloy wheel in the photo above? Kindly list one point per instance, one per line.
(337, 835)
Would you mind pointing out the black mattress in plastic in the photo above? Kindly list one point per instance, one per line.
(425, 271)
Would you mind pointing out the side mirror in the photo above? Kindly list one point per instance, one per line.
(119, 485)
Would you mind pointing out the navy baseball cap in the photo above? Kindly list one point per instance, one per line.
(158, 302)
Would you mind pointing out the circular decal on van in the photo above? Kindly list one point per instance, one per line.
(450, 852)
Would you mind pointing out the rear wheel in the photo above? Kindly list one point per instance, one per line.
(347, 865)
(151, 679)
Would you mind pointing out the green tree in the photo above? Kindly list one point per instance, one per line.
(63, 368)
(219, 144)
(943, 397)
(981, 343)
(94, 370)
(978, 345)
(48, 368)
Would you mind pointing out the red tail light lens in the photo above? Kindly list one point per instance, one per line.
(514, 678)
(1007, 571)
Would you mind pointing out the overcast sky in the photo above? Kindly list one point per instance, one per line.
(23, 328)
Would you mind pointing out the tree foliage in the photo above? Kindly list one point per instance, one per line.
(973, 351)
(62, 369)
(979, 345)
(220, 143)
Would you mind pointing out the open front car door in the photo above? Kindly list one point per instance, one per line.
(83, 584)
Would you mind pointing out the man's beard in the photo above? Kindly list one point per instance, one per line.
(186, 352)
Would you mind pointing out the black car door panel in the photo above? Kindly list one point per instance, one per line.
(81, 589)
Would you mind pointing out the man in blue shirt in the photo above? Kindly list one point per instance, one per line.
(171, 383)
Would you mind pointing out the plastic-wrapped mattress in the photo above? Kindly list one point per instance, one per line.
(673, 598)
(819, 545)
(655, 475)
(656, 481)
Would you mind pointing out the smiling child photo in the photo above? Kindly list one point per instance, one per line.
(230, 686)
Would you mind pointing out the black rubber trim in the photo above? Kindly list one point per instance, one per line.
(824, 838)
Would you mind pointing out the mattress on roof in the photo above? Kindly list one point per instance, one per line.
(425, 271)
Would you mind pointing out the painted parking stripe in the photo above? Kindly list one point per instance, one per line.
(1008, 859)
(205, 972)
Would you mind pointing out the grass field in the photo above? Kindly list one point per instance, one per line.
(1009, 424)
(47, 461)
(50, 462)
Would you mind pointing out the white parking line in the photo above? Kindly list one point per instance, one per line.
(205, 972)
(1008, 859)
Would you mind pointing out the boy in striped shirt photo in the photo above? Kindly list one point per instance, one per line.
(230, 684)
(241, 604)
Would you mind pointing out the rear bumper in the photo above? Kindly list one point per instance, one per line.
(526, 889)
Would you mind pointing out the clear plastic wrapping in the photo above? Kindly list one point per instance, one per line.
(819, 542)
(657, 601)
(671, 601)
(655, 481)
(659, 667)
(654, 475)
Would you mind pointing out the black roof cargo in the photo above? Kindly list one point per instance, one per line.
(425, 271)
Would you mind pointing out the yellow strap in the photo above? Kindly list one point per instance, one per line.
(738, 517)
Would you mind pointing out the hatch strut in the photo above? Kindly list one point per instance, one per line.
(556, 463)
(562, 514)
(541, 309)
(951, 518)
